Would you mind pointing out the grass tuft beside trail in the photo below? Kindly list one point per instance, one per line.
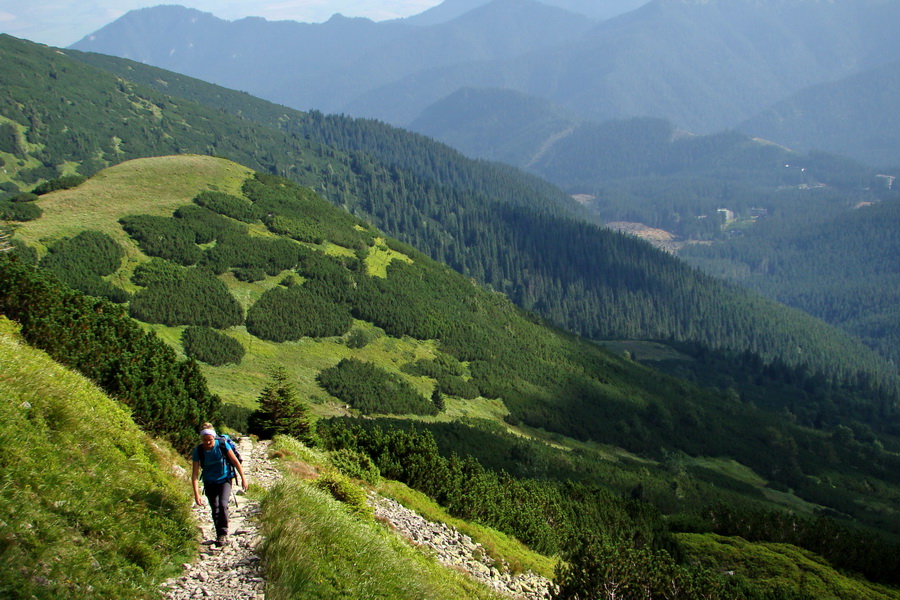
(317, 548)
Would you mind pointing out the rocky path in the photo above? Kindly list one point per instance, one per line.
(458, 551)
(235, 572)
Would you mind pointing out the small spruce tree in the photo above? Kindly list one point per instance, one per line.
(281, 411)
(438, 399)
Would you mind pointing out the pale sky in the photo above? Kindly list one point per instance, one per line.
(64, 22)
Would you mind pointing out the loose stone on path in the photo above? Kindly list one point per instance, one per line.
(457, 550)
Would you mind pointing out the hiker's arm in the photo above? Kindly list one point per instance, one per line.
(195, 476)
(239, 468)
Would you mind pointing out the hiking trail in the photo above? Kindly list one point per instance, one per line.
(235, 571)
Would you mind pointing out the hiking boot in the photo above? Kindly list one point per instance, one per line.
(222, 541)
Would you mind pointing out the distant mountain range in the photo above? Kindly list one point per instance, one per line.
(705, 66)
(596, 9)
(857, 116)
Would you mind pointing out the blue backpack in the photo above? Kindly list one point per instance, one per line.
(224, 442)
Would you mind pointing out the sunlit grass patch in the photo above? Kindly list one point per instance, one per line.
(315, 548)
(151, 186)
(380, 256)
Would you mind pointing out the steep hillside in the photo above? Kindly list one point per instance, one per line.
(364, 322)
(90, 506)
(710, 189)
(838, 267)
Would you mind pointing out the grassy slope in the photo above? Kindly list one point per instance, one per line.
(90, 507)
(316, 549)
(158, 186)
(151, 186)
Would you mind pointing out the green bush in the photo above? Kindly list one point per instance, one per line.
(164, 237)
(358, 465)
(26, 254)
(344, 490)
(249, 275)
(237, 250)
(285, 314)
(212, 347)
(193, 296)
(228, 205)
(370, 389)
(299, 213)
(93, 252)
(453, 385)
(9, 187)
(206, 225)
(19, 211)
(60, 183)
(11, 141)
(360, 338)
(25, 197)
(155, 271)
(36, 174)
(80, 262)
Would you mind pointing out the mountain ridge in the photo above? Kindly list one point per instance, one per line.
(661, 59)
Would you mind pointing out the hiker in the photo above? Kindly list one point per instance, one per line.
(216, 458)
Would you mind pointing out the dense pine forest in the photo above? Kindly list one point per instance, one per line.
(804, 229)
(851, 284)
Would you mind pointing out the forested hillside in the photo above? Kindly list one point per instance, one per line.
(839, 267)
(783, 223)
(514, 232)
(366, 322)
